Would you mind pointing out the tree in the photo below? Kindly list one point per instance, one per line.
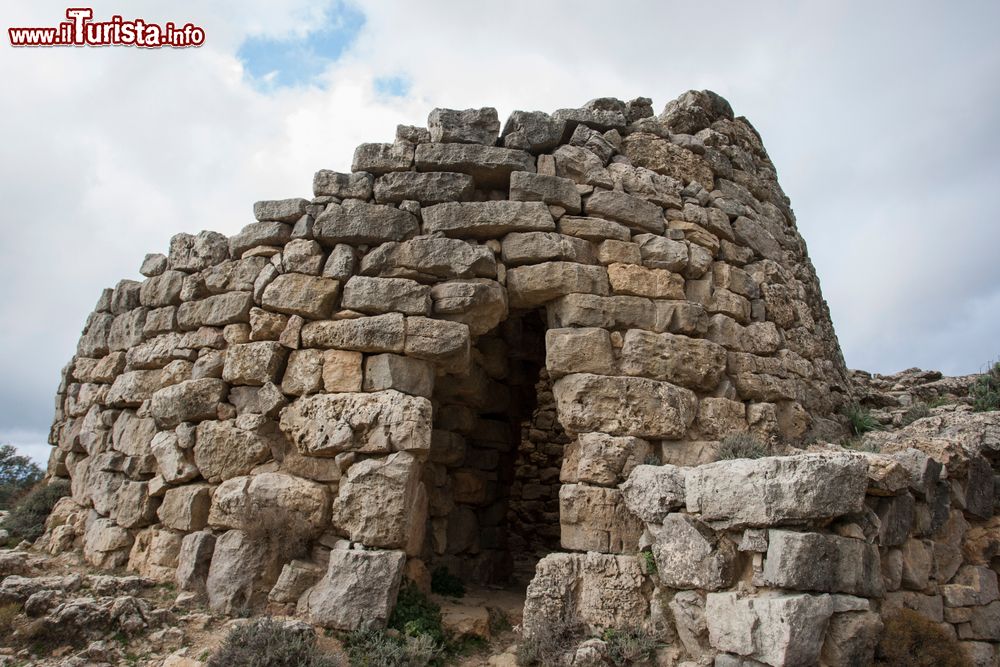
(17, 475)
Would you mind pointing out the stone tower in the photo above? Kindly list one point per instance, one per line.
(450, 356)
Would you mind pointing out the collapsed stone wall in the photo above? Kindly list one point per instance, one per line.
(349, 371)
(799, 560)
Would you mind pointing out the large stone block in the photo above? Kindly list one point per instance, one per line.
(602, 460)
(302, 506)
(594, 518)
(663, 157)
(255, 363)
(358, 222)
(651, 492)
(215, 311)
(383, 158)
(689, 555)
(379, 503)
(427, 188)
(358, 591)
(405, 374)
(466, 126)
(384, 295)
(635, 280)
(380, 333)
(188, 401)
(534, 247)
(488, 219)
(776, 490)
(186, 507)
(446, 344)
(553, 190)
(624, 406)
(231, 448)
(823, 563)
(638, 214)
(579, 350)
(370, 423)
(489, 165)
(311, 297)
(481, 304)
(343, 186)
(532, 131)
(193, 561)
(239, 568)
(430, 260)
(772, 629)
(534, 285)
(689, 362)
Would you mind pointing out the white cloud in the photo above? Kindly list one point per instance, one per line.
(879, 119)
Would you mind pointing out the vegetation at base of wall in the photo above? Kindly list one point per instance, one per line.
(648, 561)
(742, 445)
(985, 391)
(27, 518)
(859, 444)
(381, 648)
(548, 644)
(415, 614)
(265, 642)
(860, 420)
(910, 639)
(8, 612)
(915, 412)
(17, 475)
(629, 646)
(445, 583)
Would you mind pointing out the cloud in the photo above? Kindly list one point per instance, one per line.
(879, 119)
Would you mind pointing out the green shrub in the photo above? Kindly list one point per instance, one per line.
(415, 614)
(649, 561)
(444, 582)
(629, 645)
(985, 391)
(910, 639)
(265, 642)
(546, 646)
(8, 613)
(27, 519)
(378, 648)
(742, 445)
(915, 412)
(17, 475)
(861, 420)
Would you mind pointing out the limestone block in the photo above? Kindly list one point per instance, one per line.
(189, 401)
(593, 229)
(193, 561)
(775, 490)
(383, 295)
(825, 563)
(480, 304)
(377, 502)
(485, 220)
(304, 373)
(404, 374)
(308, 296)
(651, 492)
(342, 370)
(379, 333)
(594, 518)
(689, 555)
(427, 188)
(612, 251)
(359, 590)
(578, 350)
(106, 545)
(382, 158)
(662, 253)
(530, 286)
(343, 186)
(624, 406)
(360, 223)
(195, 253)
(172, 462)
(635, 280)
(637, 214)
(984, 625)
(255, 363)
(230, 448)
(280, 210)
(430, 259)
(186, 507)
(302, 256)
(135, 506)
(239, 564)
(488, 165)
(553, 190)
(467, 126)
(532, 131)
(162, 290)
(370, 423)
(154, 554)
(303, 506)
(446, 344)
(660, 155)
(535, 247)
(719, 417)
(215, 311)
(689, 362)
(851, 638)
(602, 460)
(296, 578)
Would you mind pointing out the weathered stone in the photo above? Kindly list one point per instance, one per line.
(468, 126)
(825, 563)
(381, 333)
(383, 295)
(595, 590)
(447, 344)
(637, 214)
(405, 374)
(301, 506)
(489, 219)
(488, 165)
(255, 363)
(215, 311)
(135, 506)
(689, 362)
(358, 222)
(358, 591)
(532, 131)
(343, 186)
(480, 304)
(172, 462)
(342, 371)
(664, 157)
(719, 417)
(689, 555)
(231, 448)
(189, 401)
(530, 286)
(106, 545)
(430, 259)
(427, 188)
(553, 190)
(304, 373)
(776, 490)
(195, 253)
(238, 565)
(594, 518)
(593, 229)
(266, 234)
(296, 578)
(851, 638)
(382, 158)
(193, 561)
(636, 280)
(651, 492)
(370, 423)
(162, 290)
(775, 630)
(578, 350)
(534, 247)
(662, 253)
(624, 406)
(310, 297)
(379, 503)
(602, 460)
(186, 507)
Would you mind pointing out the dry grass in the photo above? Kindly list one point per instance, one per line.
(912, 640)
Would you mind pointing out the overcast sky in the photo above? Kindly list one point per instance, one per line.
(880, 117)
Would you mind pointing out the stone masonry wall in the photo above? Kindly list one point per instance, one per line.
(343, 374)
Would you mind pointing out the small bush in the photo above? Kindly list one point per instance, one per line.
(912, 640)
(649, 560)
(915, 412)
(630, 645)
(378, 648)
(985, 391)
(444, 582)
(415, 614)
(265, 642)
(742, 445)
(861, 420)
(17, 475)
(547, 646)
(27, 519)
(8, 612)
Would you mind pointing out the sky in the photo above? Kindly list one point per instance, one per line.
(880, 119)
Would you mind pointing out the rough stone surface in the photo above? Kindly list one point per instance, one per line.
(358, 591)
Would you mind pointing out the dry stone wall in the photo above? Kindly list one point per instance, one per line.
(335, 395)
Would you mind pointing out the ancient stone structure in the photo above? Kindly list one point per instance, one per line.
(481, 343)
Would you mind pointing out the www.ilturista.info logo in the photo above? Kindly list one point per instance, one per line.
(80, 30)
